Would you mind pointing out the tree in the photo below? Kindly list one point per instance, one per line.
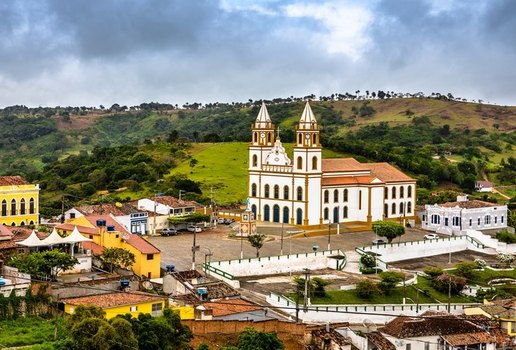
(389, 281)
(320, 286)
(447, 282)
(117, 257)
(365, 289)
(251, 339)
(48, 263)
(256, 241)
(388, 229)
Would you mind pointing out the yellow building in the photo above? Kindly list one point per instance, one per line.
(506, 316)
(108, 233)
(19, 202)
(119, 303)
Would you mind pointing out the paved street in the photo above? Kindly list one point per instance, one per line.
(177, 250)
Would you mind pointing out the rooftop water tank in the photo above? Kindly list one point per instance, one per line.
(101, 223)
(170, 268)
(3, 282)
(110, 228)
(202, 290)
(124, 284)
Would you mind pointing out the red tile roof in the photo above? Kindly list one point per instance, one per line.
(469, 338)
(109, 208)
(109, 300)
(82, 229)
(5, 233)
(387, 173)
(342, 164)
(380, 341)
(174, 202)
(135, 241)
(12, 180)
(469, 204)
(94, 247)
(347, 180)
(432, 323)
(225, 307)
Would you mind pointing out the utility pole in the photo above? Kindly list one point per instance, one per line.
(194, 248)
(155, 214)
(181, 193)
(329, 233)
(307, 290)
(449, 293)
(281, 249)
(62, 209)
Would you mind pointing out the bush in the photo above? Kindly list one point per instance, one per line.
(506, 237)
(368, 261)
(389, 281)
(445, 281)
(366, 289)
(319, 285)
(506, 258)
(465, 269)
(480, 264)
(433, 271)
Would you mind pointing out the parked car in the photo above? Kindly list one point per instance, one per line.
(378, 241)
(193, 228)
(168, 232)
(229, 221)
(431, 236)
(221, 221)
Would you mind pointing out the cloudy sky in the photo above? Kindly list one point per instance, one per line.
(91, 52)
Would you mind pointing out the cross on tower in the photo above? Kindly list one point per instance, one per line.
(277, 132)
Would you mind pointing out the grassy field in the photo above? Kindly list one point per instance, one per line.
(30, 331)
(223, 167)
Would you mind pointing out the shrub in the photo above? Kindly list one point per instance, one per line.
(389, 281)
(366, 289)
(506, 237)
(368, 261)
(506, 258)
(445, 281)
(433, 271)
(465, 269)
(480, 264)
(319, 285)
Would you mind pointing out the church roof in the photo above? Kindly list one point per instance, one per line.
(263, 116)
(347, 180)
(12, 180)
(342, 164)
(386, 172)
(308, 116)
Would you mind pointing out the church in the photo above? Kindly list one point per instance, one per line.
(307, 190)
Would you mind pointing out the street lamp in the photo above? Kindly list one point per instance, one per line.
(207, 258)
(329, 233)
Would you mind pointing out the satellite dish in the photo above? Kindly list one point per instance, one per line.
(118, 204)
(147, 285)
(125, 236)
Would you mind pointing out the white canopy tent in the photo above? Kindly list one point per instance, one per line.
(32, 241)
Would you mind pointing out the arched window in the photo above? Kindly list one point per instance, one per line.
(409, 192)
(269, 137)
(253, 190)
(335, 196)
(267, 190)
(253, 209)
(255, 160)
(456, 221)
(300, 139)
(276, 191)
(314, 140)
(326, 196)
(4, 208)
(345, 213)
(470, 222)
(22, 223)
(386, 193)
(299, 216)
(487, 219)
(285, 192)
(286, 214)
(393, 208)
(299, 163)
(314, 163)
(336, 214)
(401, 209)
(22, 206)
(31, 206)
(393, 192)
(13, 207)
(409, 207)
(275, 213)
(266, 213)
(31, 223)
(478, 221)
(402, 191)
(386, 210)
(299, 193)
(255, 137)
(345, 195)
(435, 219)
(326, 213)
(501, 219)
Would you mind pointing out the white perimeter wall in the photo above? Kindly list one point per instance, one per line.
(418, 249)
(271, 265)
(379, 313)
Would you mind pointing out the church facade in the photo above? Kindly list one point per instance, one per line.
(308, 190)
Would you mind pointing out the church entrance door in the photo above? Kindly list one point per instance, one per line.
(275, 213)
(266, 213)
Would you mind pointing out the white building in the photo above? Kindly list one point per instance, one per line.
(453, 217)
(483, 186)
(309, 190)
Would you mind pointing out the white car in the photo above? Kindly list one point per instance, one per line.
(193, 228)
(432, 236)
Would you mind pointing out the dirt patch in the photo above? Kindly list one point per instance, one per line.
(76, 122)
(442, 260)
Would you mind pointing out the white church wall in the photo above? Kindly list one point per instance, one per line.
(314, 200)
(376, 203)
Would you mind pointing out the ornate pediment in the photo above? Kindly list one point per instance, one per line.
(277, 155)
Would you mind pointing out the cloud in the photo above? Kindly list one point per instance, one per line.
(55, 52)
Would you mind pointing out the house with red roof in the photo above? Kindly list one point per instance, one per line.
(106, 232)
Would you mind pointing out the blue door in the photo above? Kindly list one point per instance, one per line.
(253, 209)
(336, 215)
(285, 215)
(299, 216)
(266, 213)
(275, 213)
